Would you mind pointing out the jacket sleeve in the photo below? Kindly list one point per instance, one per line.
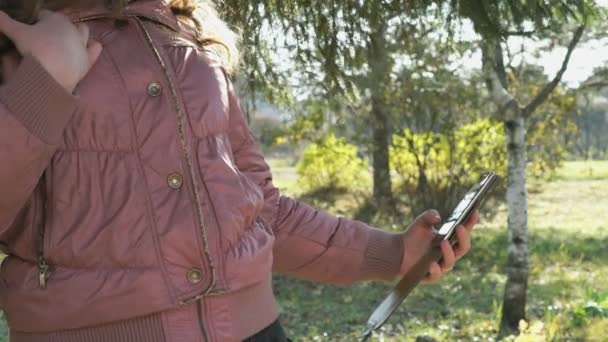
(34, 110)
(309, 243)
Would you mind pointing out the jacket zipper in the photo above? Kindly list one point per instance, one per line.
(180, 124)
(44, 268)
(201, 323)
(191, 173)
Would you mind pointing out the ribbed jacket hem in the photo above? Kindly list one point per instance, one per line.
(251, 309)
(235, 316)
(38, 101)
(144, 329)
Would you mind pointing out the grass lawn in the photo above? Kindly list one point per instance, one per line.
(567, 295)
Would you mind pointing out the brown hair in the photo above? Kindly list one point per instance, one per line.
(212, 32)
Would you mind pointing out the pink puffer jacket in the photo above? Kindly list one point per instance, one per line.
(146, 192)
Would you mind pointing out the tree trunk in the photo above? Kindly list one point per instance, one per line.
(380, 66)
(514, 303)
(380, 149)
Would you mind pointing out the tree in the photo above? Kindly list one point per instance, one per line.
(348, 47)
(346, 39)
(515, 115)
(497, 21)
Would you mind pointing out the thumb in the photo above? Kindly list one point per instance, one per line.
(11, 27)
(94, 51)
(430, 217)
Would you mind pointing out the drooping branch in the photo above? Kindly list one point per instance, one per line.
(549, 87)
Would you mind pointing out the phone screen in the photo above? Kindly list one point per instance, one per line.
(464, 207)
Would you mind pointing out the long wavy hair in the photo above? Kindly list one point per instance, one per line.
(212, 32)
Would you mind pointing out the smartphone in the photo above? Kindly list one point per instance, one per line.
(471, 201)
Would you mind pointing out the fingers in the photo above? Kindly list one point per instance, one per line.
(430, 217)
(83, 29)
(464, 242)
(448, 260)
(434, 273)
(10, 27)
(472, 221)
(94, 51)
(448, 257)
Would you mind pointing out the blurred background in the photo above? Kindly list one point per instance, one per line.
(379, 109)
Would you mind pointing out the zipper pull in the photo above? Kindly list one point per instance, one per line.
(44, 273)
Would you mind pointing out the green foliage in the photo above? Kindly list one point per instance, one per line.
(332, 165)
(554, 121)
(271, 136)
(434, 168)
(496, 18)
(329, 39)
(480, 146)
(269, 132)
(307, 125)
(595, 306)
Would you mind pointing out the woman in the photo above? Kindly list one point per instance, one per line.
(135, 204)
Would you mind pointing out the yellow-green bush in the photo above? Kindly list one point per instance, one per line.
(332, 164)
(433, 169)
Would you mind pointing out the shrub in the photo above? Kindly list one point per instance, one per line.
(434, 169)
(332, 166)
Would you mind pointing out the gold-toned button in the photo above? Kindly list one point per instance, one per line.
(121, 24)
(154, 89)
(175, 181)
(195, 276)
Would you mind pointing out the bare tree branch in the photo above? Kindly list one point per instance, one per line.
(548, 88)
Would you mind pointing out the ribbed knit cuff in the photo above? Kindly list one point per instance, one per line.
(383, 255)
(38, 101)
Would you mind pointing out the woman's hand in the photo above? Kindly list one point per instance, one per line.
(418, 239)
(61, 47)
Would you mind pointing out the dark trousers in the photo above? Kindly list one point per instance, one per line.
(272, 333)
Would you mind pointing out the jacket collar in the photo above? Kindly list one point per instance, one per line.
(154, 10)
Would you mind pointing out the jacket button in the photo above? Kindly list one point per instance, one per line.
(175, 181)
(194, 276)
(154, 89)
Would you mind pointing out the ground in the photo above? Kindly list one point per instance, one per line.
(567, 297)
